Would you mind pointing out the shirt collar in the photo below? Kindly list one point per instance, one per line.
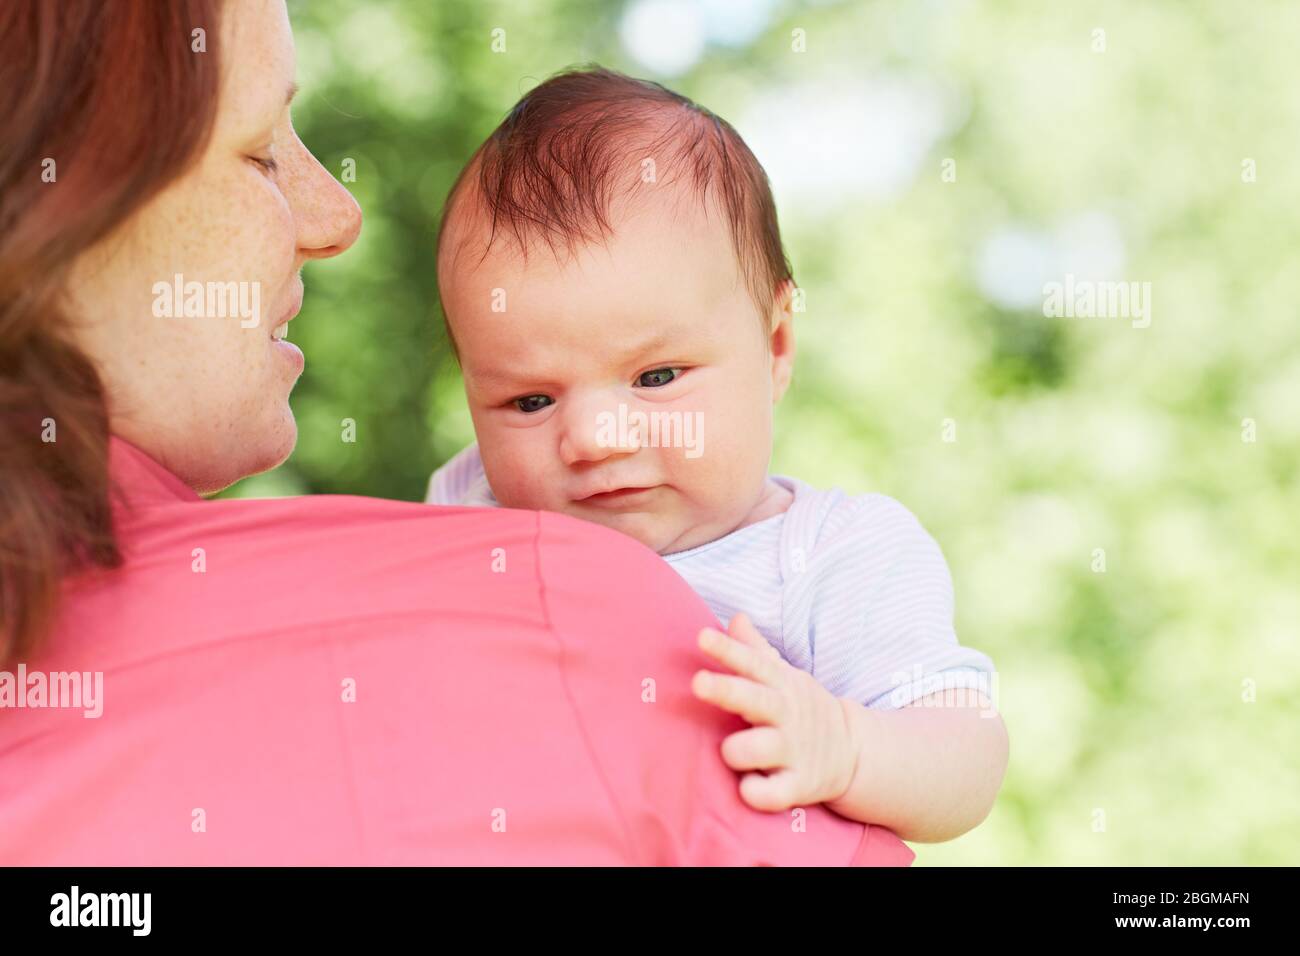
(139, 478)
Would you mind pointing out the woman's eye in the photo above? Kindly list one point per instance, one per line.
(657, 377)
(533, 403)
(268, 164)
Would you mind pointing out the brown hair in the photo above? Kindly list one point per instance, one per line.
(575, 143)
(101, 106)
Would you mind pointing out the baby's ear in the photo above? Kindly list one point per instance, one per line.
(781, 341)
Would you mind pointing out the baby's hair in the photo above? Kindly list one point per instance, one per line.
(585, 138)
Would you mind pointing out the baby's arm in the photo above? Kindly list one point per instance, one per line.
(929, 771)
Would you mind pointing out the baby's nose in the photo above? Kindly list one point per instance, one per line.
(594, 431)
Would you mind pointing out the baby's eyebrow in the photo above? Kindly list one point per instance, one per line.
(652, 343)
(503, 378)
(492, 378)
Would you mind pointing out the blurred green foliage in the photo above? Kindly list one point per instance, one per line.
(1123, 689)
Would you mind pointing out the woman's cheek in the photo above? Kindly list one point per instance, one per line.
(252, 220)
(270, 234)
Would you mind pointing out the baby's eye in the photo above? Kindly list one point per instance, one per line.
(533, 403)
(658, 377)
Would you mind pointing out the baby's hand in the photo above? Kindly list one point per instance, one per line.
(802, 735)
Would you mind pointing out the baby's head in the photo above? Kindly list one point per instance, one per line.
(616, 291)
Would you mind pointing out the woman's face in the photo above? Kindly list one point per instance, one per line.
(200, 380)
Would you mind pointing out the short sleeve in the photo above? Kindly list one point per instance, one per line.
(881, 627)
(628, 626)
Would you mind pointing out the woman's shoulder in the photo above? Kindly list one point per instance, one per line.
(228, 568)
(255, 565)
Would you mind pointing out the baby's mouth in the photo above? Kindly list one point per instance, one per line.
(617, 496)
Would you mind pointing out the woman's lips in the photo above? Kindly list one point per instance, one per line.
(287, 350)
(290, 353)
(280, 328)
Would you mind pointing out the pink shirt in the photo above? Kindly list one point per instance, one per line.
(339, 680)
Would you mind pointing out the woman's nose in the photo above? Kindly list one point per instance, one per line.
(327, 216)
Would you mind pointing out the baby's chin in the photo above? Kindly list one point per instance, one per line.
(652, 530)
(662, 534)
(662, 524)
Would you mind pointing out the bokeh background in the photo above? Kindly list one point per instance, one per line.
(1119, 505)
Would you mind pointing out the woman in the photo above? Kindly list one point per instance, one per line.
(316, 680)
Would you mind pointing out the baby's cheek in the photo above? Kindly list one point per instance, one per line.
(518, 475)
(726, 454)
(518, 491)
(707, 493)
(730, 472)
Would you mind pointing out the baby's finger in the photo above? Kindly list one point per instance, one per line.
(758, 748)
(735, 656)
(742, 629)
(737, 695)
(769, 792)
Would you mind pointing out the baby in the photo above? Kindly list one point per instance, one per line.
(621, 306)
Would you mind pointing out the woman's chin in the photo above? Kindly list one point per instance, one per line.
(278, 445)
(246, 455)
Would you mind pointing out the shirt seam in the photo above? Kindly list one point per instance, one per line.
(629, 842)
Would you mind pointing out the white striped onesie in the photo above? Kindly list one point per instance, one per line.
(851, 589)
